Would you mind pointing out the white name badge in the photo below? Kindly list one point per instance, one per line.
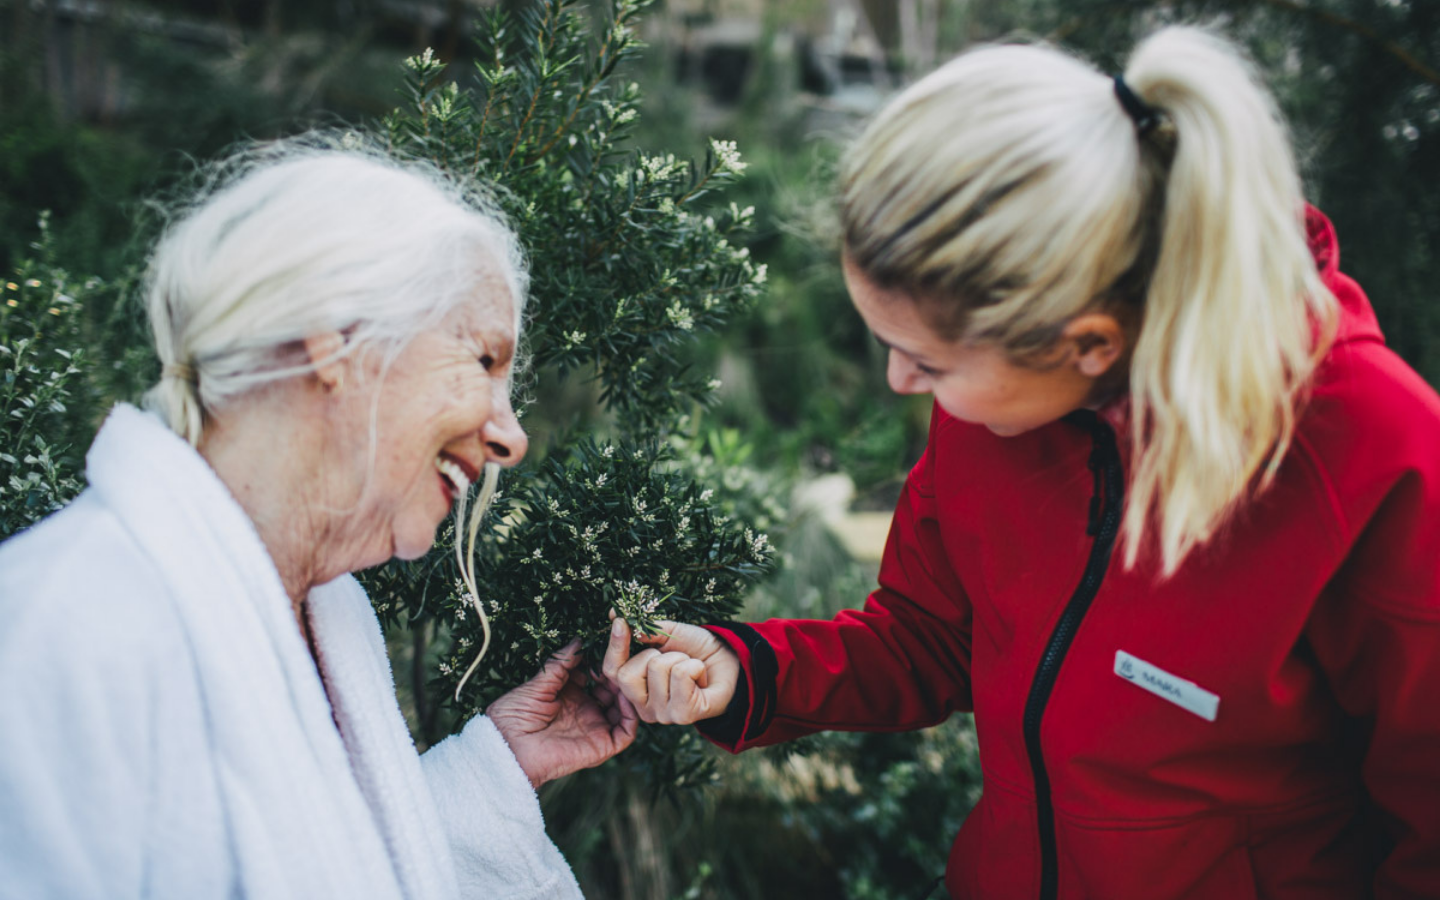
(1185, 694)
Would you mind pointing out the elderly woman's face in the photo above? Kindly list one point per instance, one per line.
(444, 402)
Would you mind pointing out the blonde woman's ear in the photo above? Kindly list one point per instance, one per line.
(1096, 342)
(326, 353)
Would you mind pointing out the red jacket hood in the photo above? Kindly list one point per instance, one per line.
(1357, 317)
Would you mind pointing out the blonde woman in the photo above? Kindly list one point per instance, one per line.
(1175, 537)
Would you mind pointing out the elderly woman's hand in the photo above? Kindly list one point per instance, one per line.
(555, 727)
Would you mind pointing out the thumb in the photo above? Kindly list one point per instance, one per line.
(617, 653)
(559, 666)
(692, 640)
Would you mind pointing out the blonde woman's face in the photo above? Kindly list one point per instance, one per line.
(973, 383)
(444, 403)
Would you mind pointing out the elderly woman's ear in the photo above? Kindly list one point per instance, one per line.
(326, 353)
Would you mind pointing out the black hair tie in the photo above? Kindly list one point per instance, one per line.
(1145, 116)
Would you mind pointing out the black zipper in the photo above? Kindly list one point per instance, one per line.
(1104, 525)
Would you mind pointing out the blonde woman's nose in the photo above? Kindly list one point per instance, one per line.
(902, 374)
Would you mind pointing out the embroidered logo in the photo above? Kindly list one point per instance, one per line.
(1185, 694)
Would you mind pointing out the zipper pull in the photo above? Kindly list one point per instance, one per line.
(1102, 451)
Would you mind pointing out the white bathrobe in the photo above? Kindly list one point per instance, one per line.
(165, 732)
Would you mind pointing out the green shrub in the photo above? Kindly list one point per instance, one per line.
(631, 258)
(47, 397)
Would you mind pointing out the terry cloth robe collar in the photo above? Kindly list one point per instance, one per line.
(305, 784)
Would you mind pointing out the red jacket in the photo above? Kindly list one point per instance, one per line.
(1311, 625)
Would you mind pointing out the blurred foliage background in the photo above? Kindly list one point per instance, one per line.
(103, 105)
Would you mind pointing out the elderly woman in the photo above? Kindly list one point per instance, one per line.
(196, 699)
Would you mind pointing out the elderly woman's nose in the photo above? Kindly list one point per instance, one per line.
(505, 441)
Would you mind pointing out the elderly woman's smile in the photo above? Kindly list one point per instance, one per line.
(440, 413)
(455, 475)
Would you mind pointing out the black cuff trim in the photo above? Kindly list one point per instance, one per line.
(730, 727)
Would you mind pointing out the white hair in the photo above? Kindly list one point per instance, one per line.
(1009, 192)
(312, 235)
(306, 236)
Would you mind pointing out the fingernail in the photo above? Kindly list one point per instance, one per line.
(618, 628)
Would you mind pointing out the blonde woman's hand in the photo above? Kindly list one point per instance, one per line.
(686, 674)
(554, 726)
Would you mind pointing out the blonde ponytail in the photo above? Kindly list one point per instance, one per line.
(1234, 301)
(1010, 191)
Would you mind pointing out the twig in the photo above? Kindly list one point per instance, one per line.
(539, 89)
(584, 95)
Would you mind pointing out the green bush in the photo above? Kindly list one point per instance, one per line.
(631, 258)
(47, 394)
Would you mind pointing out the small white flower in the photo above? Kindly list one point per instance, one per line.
(680, 317)
(424, 60)
(759, 544)
(727, 154)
